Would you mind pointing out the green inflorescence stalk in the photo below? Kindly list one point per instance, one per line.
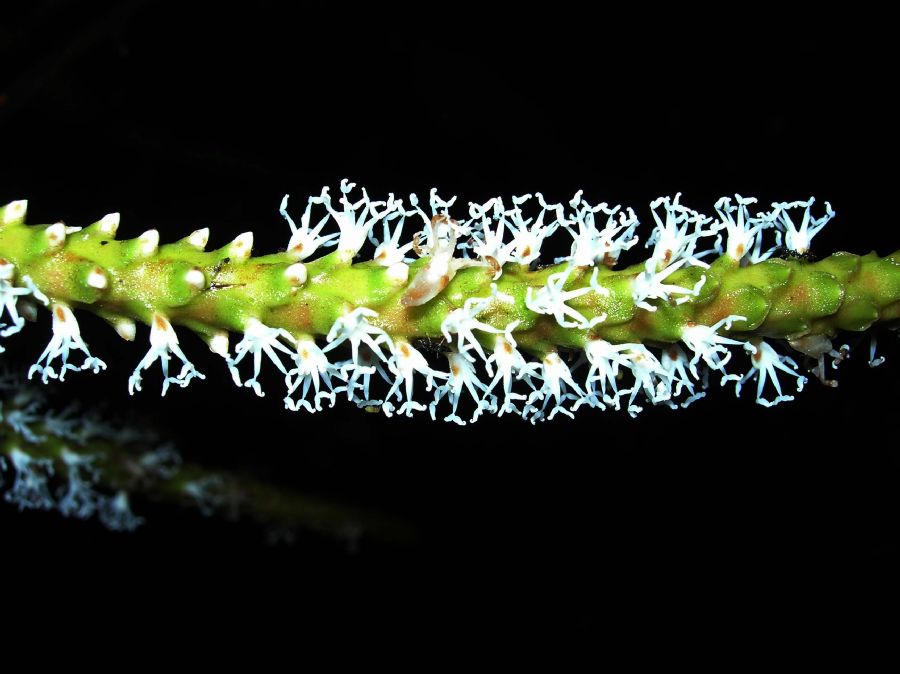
(670, 320)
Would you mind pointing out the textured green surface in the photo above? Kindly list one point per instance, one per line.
(780, 298)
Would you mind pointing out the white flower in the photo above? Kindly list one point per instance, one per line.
(163, 342)
(527, 241)
(356, 220)
(676, 238)
(21, 418)
(355, 328)
(798, 239)
(649, 377)
(595, 246)
(509, 362)
(462, 376)
(551, 300)
(79, 498)
(305, 240)
(605, 359)
(31, 481)
(557, 380)
(388, 251)
(765, 363)
(706, 343)
(312, 366)
(404, 365)
(463, 322)
(440, 268)
(115, 513)
(674, 362)
(648, 285)
(9, 296)
(488, 241)
(66, 336)
(258, 339)
(743, 232)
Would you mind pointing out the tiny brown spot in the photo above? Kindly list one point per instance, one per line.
(740, 250)
(381, 255)
(444, 281)
(298, 248)
(507, 347)
(60, 314)
(495, 266)
(404, 350)
(455, 370)
(159, 321)
(527, 251)
(667, 257)
(413, 297)
(609, 260)
(758, 355)
(416, 247)
(673, 352)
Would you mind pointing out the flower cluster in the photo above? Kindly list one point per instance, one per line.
(362, 354)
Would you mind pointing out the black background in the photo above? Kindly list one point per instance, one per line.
(185, 115)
